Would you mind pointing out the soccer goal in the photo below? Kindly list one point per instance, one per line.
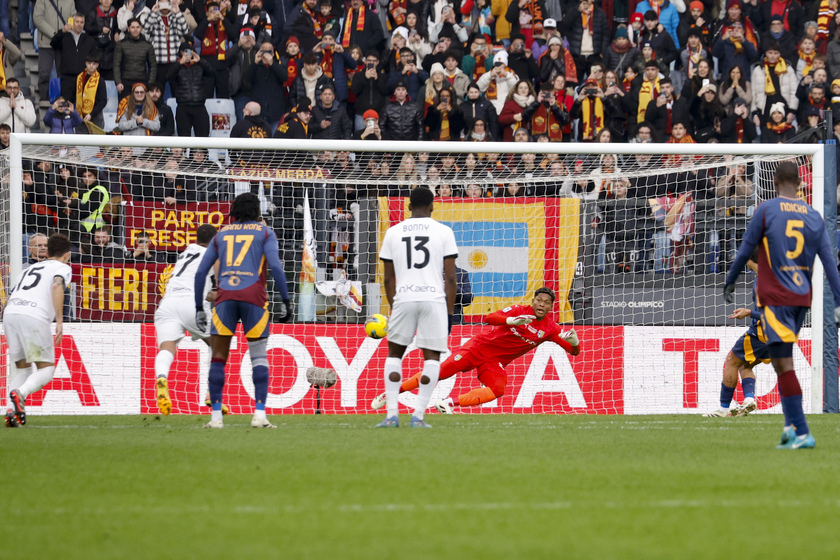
(635, 240)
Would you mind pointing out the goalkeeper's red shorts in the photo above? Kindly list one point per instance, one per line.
(490, 373)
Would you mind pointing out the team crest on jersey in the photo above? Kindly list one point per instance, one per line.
(457, 357)
(506, 309)
(540, 334)
(164, 279)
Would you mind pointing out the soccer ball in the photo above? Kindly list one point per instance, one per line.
(377, 326)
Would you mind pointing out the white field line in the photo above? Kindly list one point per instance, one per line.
(440, 507)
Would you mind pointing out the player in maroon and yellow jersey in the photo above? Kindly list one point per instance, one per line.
(516, 330)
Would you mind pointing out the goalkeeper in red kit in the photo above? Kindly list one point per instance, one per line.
(516, 330)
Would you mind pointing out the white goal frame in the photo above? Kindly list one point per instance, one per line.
(816, 151)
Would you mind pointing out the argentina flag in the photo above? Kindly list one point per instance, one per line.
(495, 254)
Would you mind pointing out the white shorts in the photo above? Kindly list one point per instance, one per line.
(428, 319)
(174, 316)
(29, 339)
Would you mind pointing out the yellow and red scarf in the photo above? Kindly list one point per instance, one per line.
(492, 89)
(327, 62)
(444, 126)
(589, 21)
(824, 17)
(780, 128)
(215, 41)
(648, 92)
(348, 26)
(592, 113)
(316, 23)
(123, 106)
(694, 56)
(480, 67)
(86, 92)
(2, 67)
(780, 69)
(809, 60)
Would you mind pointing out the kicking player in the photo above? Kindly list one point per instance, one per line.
(37, 299)
(791, 234)
(749, 351)
(420, 284)
(175, 315)
(242, 249)
(516, 330)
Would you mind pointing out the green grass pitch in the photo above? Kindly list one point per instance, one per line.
(475, 486)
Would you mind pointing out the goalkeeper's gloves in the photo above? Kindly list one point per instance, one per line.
(520, 320)
(201, 319)
(729, 293)
(837, 314)
(571, 336)
(288, 314)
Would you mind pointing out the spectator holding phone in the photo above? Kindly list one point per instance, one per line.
(164, 28)
(214, 33)
(497, 84)
(370, 88)
(266, 76)
(62, 118)
(188, 77)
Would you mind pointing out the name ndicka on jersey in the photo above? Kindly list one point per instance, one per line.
(793, 207)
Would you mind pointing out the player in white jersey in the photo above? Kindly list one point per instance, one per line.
(176, 313)
(37, 299)
(420, 284)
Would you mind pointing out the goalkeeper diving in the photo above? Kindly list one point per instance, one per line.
(515, 331)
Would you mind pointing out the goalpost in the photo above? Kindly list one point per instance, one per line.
(635, 239)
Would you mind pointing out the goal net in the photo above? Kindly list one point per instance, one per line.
(635, 240)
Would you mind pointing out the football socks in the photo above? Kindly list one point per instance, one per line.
(726, 394)
(431, 370)
(163, 361)
(392, 388)
(748, 385)
(475, 397)
(792, 402)
(36, 380)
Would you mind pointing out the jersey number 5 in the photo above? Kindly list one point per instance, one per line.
(245, 241)
(793, 227)
(419, 246)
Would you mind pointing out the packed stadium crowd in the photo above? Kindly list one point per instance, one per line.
(475, 71)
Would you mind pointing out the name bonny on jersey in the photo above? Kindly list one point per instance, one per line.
(414, 227)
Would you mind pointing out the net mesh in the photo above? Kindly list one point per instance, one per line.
(635, 246)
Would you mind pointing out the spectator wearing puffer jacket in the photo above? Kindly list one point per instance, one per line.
(188, 76)
(476, 107)
(497, 83)
(329, 119)
(62, 118)
(402, 119)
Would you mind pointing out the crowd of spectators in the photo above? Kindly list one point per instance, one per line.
(675, 71)
(429, 69)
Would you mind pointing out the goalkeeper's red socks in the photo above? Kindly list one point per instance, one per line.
(475, 397)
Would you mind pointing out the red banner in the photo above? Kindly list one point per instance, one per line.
(547, 381)
(118, 292)
(172, 228)
(109, 368)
